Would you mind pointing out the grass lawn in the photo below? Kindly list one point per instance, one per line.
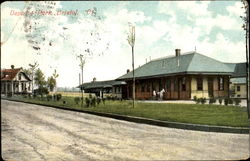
(219, 115)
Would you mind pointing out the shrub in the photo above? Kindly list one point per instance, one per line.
(203, 100)
(9, 94)
(87, 101)
(64, 102)
(103, 101)
(195, 98)
(24, 95)
(41, 91)
(212, 100)
(49, 97)
(77, 100)
(98, 100)
(58, 97)
(226, 101)
(230, 101)
(220, 101)
(198, 100)
(237, 102)
(93, 101)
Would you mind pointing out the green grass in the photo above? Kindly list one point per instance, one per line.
(218, 115)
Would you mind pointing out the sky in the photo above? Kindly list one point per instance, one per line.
(99, 30)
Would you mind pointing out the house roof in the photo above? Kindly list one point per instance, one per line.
(101, 84)
(10, 74)
(241, 80)
(189, 63)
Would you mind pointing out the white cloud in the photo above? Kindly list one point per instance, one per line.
(194, 8)
(236, 10)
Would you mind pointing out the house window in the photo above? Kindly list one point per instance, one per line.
(238, 88)
(183, 84)
(221, 83)
(175, 84)
(199, 84)
(168, 85)
(142, 88)
(19, 76)
(148, 87)
(160, 85)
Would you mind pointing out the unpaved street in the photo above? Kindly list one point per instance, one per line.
(32, 132)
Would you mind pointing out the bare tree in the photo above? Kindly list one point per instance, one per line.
(82, 63)
(131, 41)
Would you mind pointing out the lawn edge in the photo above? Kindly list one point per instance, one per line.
(177, 125)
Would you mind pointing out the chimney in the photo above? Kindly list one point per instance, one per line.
(177, 52)
(12, 66)
(94, 79)
(128, 70)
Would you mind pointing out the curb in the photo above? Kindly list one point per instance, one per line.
(185, 126)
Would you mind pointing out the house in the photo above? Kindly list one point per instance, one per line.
(103, 89)
(238, 80)
(15, 81)
(238, 87)
(182, 76)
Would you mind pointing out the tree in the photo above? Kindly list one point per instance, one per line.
(245, 26)
(51, 83)
(131, 41)
(28, 72)
(39, 78)
(82, 63)
(32, 69)
(55, 75)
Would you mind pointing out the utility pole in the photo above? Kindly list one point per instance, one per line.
(82, 62)
(131, 41)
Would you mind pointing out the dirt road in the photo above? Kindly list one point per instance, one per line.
(32, 132)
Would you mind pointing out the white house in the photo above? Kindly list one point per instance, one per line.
(15, 81)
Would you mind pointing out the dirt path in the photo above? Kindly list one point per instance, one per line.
(32, 132)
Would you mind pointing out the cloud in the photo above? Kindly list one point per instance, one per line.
(236, 10)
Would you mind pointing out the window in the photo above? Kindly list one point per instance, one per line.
(183, 84)
(175, 84)
(142, 88)
(160, 85)
(238, 88)
(199, 84)
(221, 83)
(238, 95)
(168, 85)
(19, 76)
(148, 87)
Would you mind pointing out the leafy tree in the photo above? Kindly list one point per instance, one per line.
(28, 72)
(51, 83)
(39, 78)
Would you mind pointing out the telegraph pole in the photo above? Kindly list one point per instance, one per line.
(82, 62)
